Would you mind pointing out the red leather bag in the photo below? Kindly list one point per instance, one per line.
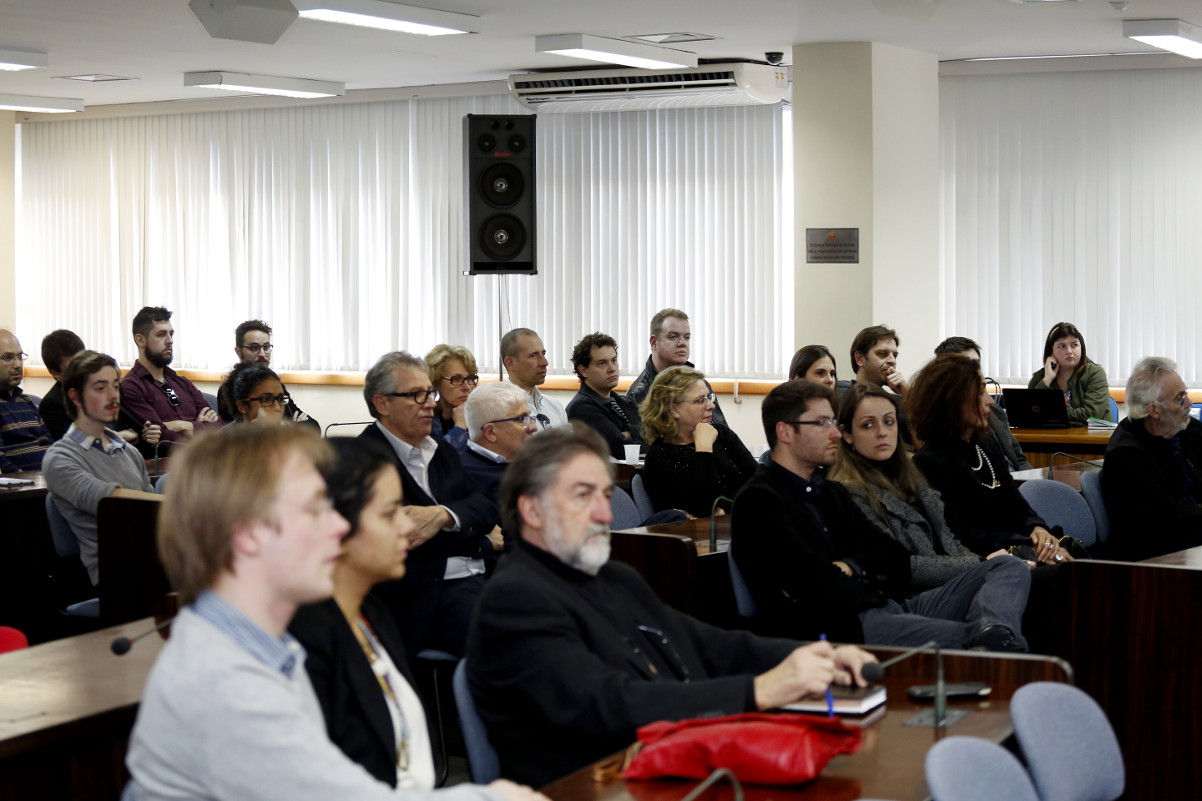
(759, 748)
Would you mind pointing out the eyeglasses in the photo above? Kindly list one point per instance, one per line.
(456, 380)
(9, 358)
(824, 422)
(543, 421)
(269, 400)
(1181, 398)
(704, 399)
(420, 396)
(172, 398)
(257, 348)
(524, 419)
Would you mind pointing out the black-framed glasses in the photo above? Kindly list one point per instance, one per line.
(172, 398)
(420, 396)
(259, 348)
(524, 419)
(823, 422)
(456, 380)
(9, 358)
(267, 399)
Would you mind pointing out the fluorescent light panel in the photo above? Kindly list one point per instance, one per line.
(13, 60)
(302, 88)
(42, 105)
(388, 16)
(614, 51)
(1167, 34)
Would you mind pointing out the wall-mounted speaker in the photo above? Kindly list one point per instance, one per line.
(499, 176)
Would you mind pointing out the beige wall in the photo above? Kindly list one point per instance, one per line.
(8, 223)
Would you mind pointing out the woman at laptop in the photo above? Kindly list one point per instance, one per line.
(1067, 368)
(948, 407)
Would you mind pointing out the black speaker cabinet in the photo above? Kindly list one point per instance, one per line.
(499, 176)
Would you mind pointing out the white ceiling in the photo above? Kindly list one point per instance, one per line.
(155, 41)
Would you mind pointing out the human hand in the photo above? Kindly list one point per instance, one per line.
(1050, 370)
(846, 568)
(427, 521)
(704, 436)
(895, 380)
(207, 415)
(1045, 545)
(496, 538)
(516, 792)
(848, 662)
(181, 427)
(128, 435)
(808, 670)
(459, 416)
(998, 552)
(299, 417)
(151, 433)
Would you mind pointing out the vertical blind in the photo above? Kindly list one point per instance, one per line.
(1074, 196)
(342, 226)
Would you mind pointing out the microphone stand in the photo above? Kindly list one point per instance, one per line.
(1052, 461)
(714, 522)
(939, 717)
(326, 433)
(158, 445)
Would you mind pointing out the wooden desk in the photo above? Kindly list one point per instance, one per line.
(1040, 443)
(889, 763)
(66, 711)
(27, 560)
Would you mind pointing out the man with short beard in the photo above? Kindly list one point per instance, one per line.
(570, 653)
(154, 393)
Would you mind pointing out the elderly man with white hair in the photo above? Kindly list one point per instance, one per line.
(498, 424)
(1152, 475)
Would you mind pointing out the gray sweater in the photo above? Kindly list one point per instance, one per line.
(216, 723)
(913, 529)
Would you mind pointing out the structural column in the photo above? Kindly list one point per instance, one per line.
(8, 218)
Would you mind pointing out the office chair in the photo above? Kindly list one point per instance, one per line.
(971, 769)
(1091, 491)
(1061, 505)
(66, 546)
(481, 756)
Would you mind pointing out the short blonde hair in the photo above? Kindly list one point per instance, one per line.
(656, 408)
(440, 356)
(219, 481)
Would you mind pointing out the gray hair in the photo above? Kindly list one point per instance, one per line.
(539, 461)
(489, 402)
(1145, 384)
(381, 378)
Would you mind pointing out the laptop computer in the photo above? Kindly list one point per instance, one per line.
(1036, 408)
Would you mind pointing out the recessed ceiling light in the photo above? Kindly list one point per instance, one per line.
(614, 51)
(388, 16)
(1173, 35)
(94, 78)
(13, 60)
(674, 38)
(42, 105)
(302, 88)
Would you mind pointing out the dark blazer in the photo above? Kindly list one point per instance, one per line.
(354, 707)
(414, 598)
(486, 472)
(637, 391)
(787, 556)
(999, 427)
(596, 412)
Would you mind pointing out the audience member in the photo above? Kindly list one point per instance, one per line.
(454, 374)
(153, 392)
(874, 361)
(23, 436)
(670, 345)
(814, 363)
(499, 421)
(999, 423)
(692, 460)
(355, 659)
(525, 360)
(455, 520)
(247, 535)
(816, 565)
(252, 345)
(570, 653)
(256, 395)
(91, 461)
(615, 418)
(1066, 367)
(1152, 475)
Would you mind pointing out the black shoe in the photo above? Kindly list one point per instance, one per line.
(997, 638)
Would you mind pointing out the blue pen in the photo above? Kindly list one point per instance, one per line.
(830, 699)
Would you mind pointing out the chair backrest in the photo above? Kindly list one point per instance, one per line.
(625, 511)
(743, 600)
(1091, 491)
(1114, 409)
(972, 769)
(134, 579)
(12, 639)
(1069, 746)
(481, 756)
(1061, 505)
(65, 543)
(641, 498)
(211, 400)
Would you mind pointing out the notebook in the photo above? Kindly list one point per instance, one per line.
(1036, 408)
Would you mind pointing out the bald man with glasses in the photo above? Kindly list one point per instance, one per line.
(23, 436)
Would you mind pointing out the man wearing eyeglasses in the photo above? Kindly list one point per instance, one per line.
(1152, 475)
(455, 519)
(23, 436)
(595, 359)
(498, 424)
(817, 566)
(252, 345)
(570, 652)
(156, 394)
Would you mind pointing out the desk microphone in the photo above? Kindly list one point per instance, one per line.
(939, 717)
(714, 522)
(1052, 461)
(121, 645)
(44, 441)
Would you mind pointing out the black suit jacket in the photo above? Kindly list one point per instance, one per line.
(486, 472)
(787, 558)
(354, 707)
(595, 411)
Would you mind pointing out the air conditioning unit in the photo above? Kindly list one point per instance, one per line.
(636, 89)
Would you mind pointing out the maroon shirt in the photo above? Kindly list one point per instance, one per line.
(145, 399)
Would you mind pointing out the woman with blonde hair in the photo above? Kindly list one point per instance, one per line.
(453, 372)
(691, 461)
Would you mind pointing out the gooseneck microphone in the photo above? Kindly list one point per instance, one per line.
(121, 645)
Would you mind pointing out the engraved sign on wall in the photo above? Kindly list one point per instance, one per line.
(832, 246)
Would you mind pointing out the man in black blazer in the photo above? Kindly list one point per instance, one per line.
(595, 359)
(456, 521)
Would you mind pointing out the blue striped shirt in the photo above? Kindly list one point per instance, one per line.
(282, 654)
(23, 436)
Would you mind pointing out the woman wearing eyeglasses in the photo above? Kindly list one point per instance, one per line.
(691, 461)
(258, 395)
(454, 374)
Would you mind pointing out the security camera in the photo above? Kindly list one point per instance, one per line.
(774, 58)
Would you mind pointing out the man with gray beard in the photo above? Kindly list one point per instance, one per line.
(1152, 475)
(570, 653)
